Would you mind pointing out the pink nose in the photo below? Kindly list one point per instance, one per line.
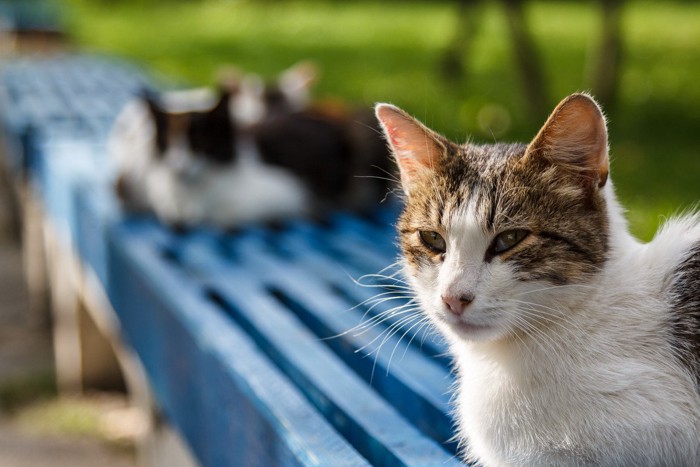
(456, 305)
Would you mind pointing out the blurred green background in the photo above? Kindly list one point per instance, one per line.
(393, 51)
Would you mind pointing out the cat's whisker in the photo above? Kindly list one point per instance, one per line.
(538, 336)
(372, 300)
(542, 313)
(515, 332)
(396, 346)
(386, 314)
(391, 176)
(556, 287)
(374, 177)
(392, 287)
(381, 275)
(425, 321)
(537, 315)
(409, 301)
(386, 334)
(388, 295)
(363, 331)
(390, 332)
(366, 324)
(549, 314)
(396, 328)
(409, 312)
(389, 173)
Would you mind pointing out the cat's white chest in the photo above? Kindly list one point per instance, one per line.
(577, 410)
(508, 420)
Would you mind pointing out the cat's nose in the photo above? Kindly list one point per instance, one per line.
(457, 305)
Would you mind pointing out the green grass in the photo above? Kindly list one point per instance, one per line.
(390, 51)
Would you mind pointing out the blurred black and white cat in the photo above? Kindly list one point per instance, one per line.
(248, 152)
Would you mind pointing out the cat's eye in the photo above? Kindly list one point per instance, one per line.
(508, 239)
(433, 240)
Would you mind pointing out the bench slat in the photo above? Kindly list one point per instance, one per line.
(217, 387)
(416, 385)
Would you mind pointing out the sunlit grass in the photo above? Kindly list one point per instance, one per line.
(391, 51)
(100, 417)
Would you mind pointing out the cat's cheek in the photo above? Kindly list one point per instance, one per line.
(418, 278)
(431, 304)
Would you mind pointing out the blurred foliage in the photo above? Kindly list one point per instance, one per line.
(391, 51)
(27, 388)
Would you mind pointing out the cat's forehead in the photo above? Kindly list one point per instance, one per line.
(472, 170)
(485, 161)
(467, 183)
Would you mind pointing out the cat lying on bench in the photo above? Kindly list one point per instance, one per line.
(250, 153)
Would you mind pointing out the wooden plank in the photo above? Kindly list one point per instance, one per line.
(376, 430)
(414, 383)
(213, 381)
(358, 288)
(98, 209)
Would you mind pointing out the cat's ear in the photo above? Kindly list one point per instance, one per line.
(228, 79)
(417, 149)
(296, 82)
(575, 138)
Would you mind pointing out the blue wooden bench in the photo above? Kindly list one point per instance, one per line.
(246, 338)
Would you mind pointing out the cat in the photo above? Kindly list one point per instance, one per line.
(573, 343)
(191, 167)
(256, 154)
(254, 100)
(337, 153)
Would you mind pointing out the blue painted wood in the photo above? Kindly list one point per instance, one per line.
(56, 178)
(98, 211)
(378, 432)
(351, 249)
(208, 375)
(363, 289)
(302, 242)
(73, 95)
(413, 383)
(246, 338)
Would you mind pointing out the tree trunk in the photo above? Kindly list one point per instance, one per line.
(453, 62)
(604, 75)
(527, 60)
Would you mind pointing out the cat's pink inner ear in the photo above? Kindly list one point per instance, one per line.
(575, 137)
(415, 147)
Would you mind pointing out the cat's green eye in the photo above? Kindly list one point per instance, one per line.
(508, 239)
(433, 240)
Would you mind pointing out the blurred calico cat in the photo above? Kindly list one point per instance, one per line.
(254, 152)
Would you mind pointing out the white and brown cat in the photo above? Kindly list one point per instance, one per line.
(574, 343)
